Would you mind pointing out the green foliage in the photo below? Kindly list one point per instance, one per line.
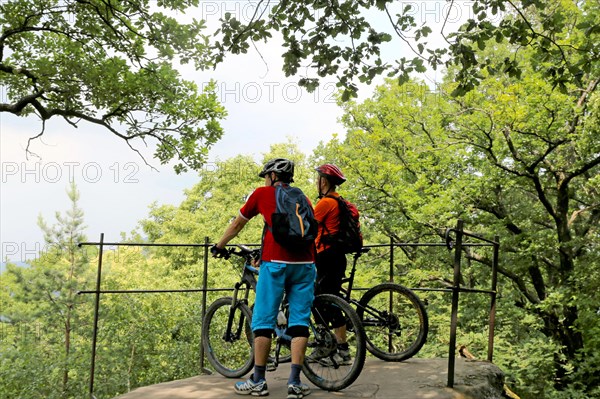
(42, 314)
(146, 338)
(67, 59)
(346, 40)
(517, 158)
(513, 159)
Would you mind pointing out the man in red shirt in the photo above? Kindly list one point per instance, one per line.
(280, 269)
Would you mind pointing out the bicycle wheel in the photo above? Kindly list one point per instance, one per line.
(230, 353)
(323, 365)
(395, 321)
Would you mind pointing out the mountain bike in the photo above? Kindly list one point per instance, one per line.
(394, 318)
(229, 345)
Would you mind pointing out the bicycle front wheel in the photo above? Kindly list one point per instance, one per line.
(229, 350)
(395, 321)
(326, 364)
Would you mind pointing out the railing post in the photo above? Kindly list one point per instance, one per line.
(493, 298)
(96, 312)
(391, 296)
(391, 259)
(203, 310)
(455, 294)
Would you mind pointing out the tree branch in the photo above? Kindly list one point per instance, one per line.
(510, 275)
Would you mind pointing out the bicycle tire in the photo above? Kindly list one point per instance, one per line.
(323, 371)
(397, 335)
(231, 358)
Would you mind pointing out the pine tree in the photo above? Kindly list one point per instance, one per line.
(43, 298)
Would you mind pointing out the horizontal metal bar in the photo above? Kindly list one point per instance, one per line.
(231, 289)
(424, 244)
(140, 244)
(154, 291)
(467, 290)
(397, 244)
(451, 290)
(464, 233)
(407, 244)
(477, 291)
(432, 289)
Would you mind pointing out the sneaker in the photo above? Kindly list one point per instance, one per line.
(271, 365)
(344, 357)
(250, 387)
(298, 391)
(317, 354)
(340, 358)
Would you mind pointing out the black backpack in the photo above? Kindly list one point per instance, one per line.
(348, 238)
(293, 223)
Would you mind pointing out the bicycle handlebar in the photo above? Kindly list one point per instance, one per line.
(245, 252)
(361, 251)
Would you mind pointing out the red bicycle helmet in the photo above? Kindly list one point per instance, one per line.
(331, 172)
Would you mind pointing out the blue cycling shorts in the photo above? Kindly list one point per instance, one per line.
(298, 282)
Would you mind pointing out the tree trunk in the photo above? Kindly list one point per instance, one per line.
(67, 352)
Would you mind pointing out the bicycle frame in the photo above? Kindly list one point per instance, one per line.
(378, 309)
(347, 291)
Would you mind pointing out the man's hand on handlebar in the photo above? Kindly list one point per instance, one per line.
(219, 252)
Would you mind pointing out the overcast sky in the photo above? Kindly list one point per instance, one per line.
(117, 187)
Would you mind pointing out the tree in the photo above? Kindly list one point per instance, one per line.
(515, 157)
(110, 64)
(346, 39)
(46, 335)
(43, 301)
(539, 153)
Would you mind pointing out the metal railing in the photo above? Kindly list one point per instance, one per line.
(456, 289)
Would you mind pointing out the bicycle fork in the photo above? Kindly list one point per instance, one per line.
(229, 335)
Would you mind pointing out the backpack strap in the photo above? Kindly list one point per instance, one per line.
(326, 232)
(262, 237)
(266, 226)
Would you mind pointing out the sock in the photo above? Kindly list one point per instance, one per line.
(295, 374)
(344, 346)
(259, 373)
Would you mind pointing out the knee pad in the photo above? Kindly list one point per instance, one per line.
(264, 332)
(297, 331)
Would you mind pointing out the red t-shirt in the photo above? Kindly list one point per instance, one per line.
(262, 201)
(327, 213)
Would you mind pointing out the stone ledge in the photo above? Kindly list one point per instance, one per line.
(412, 379)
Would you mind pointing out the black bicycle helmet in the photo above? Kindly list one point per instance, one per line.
(281, 166)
